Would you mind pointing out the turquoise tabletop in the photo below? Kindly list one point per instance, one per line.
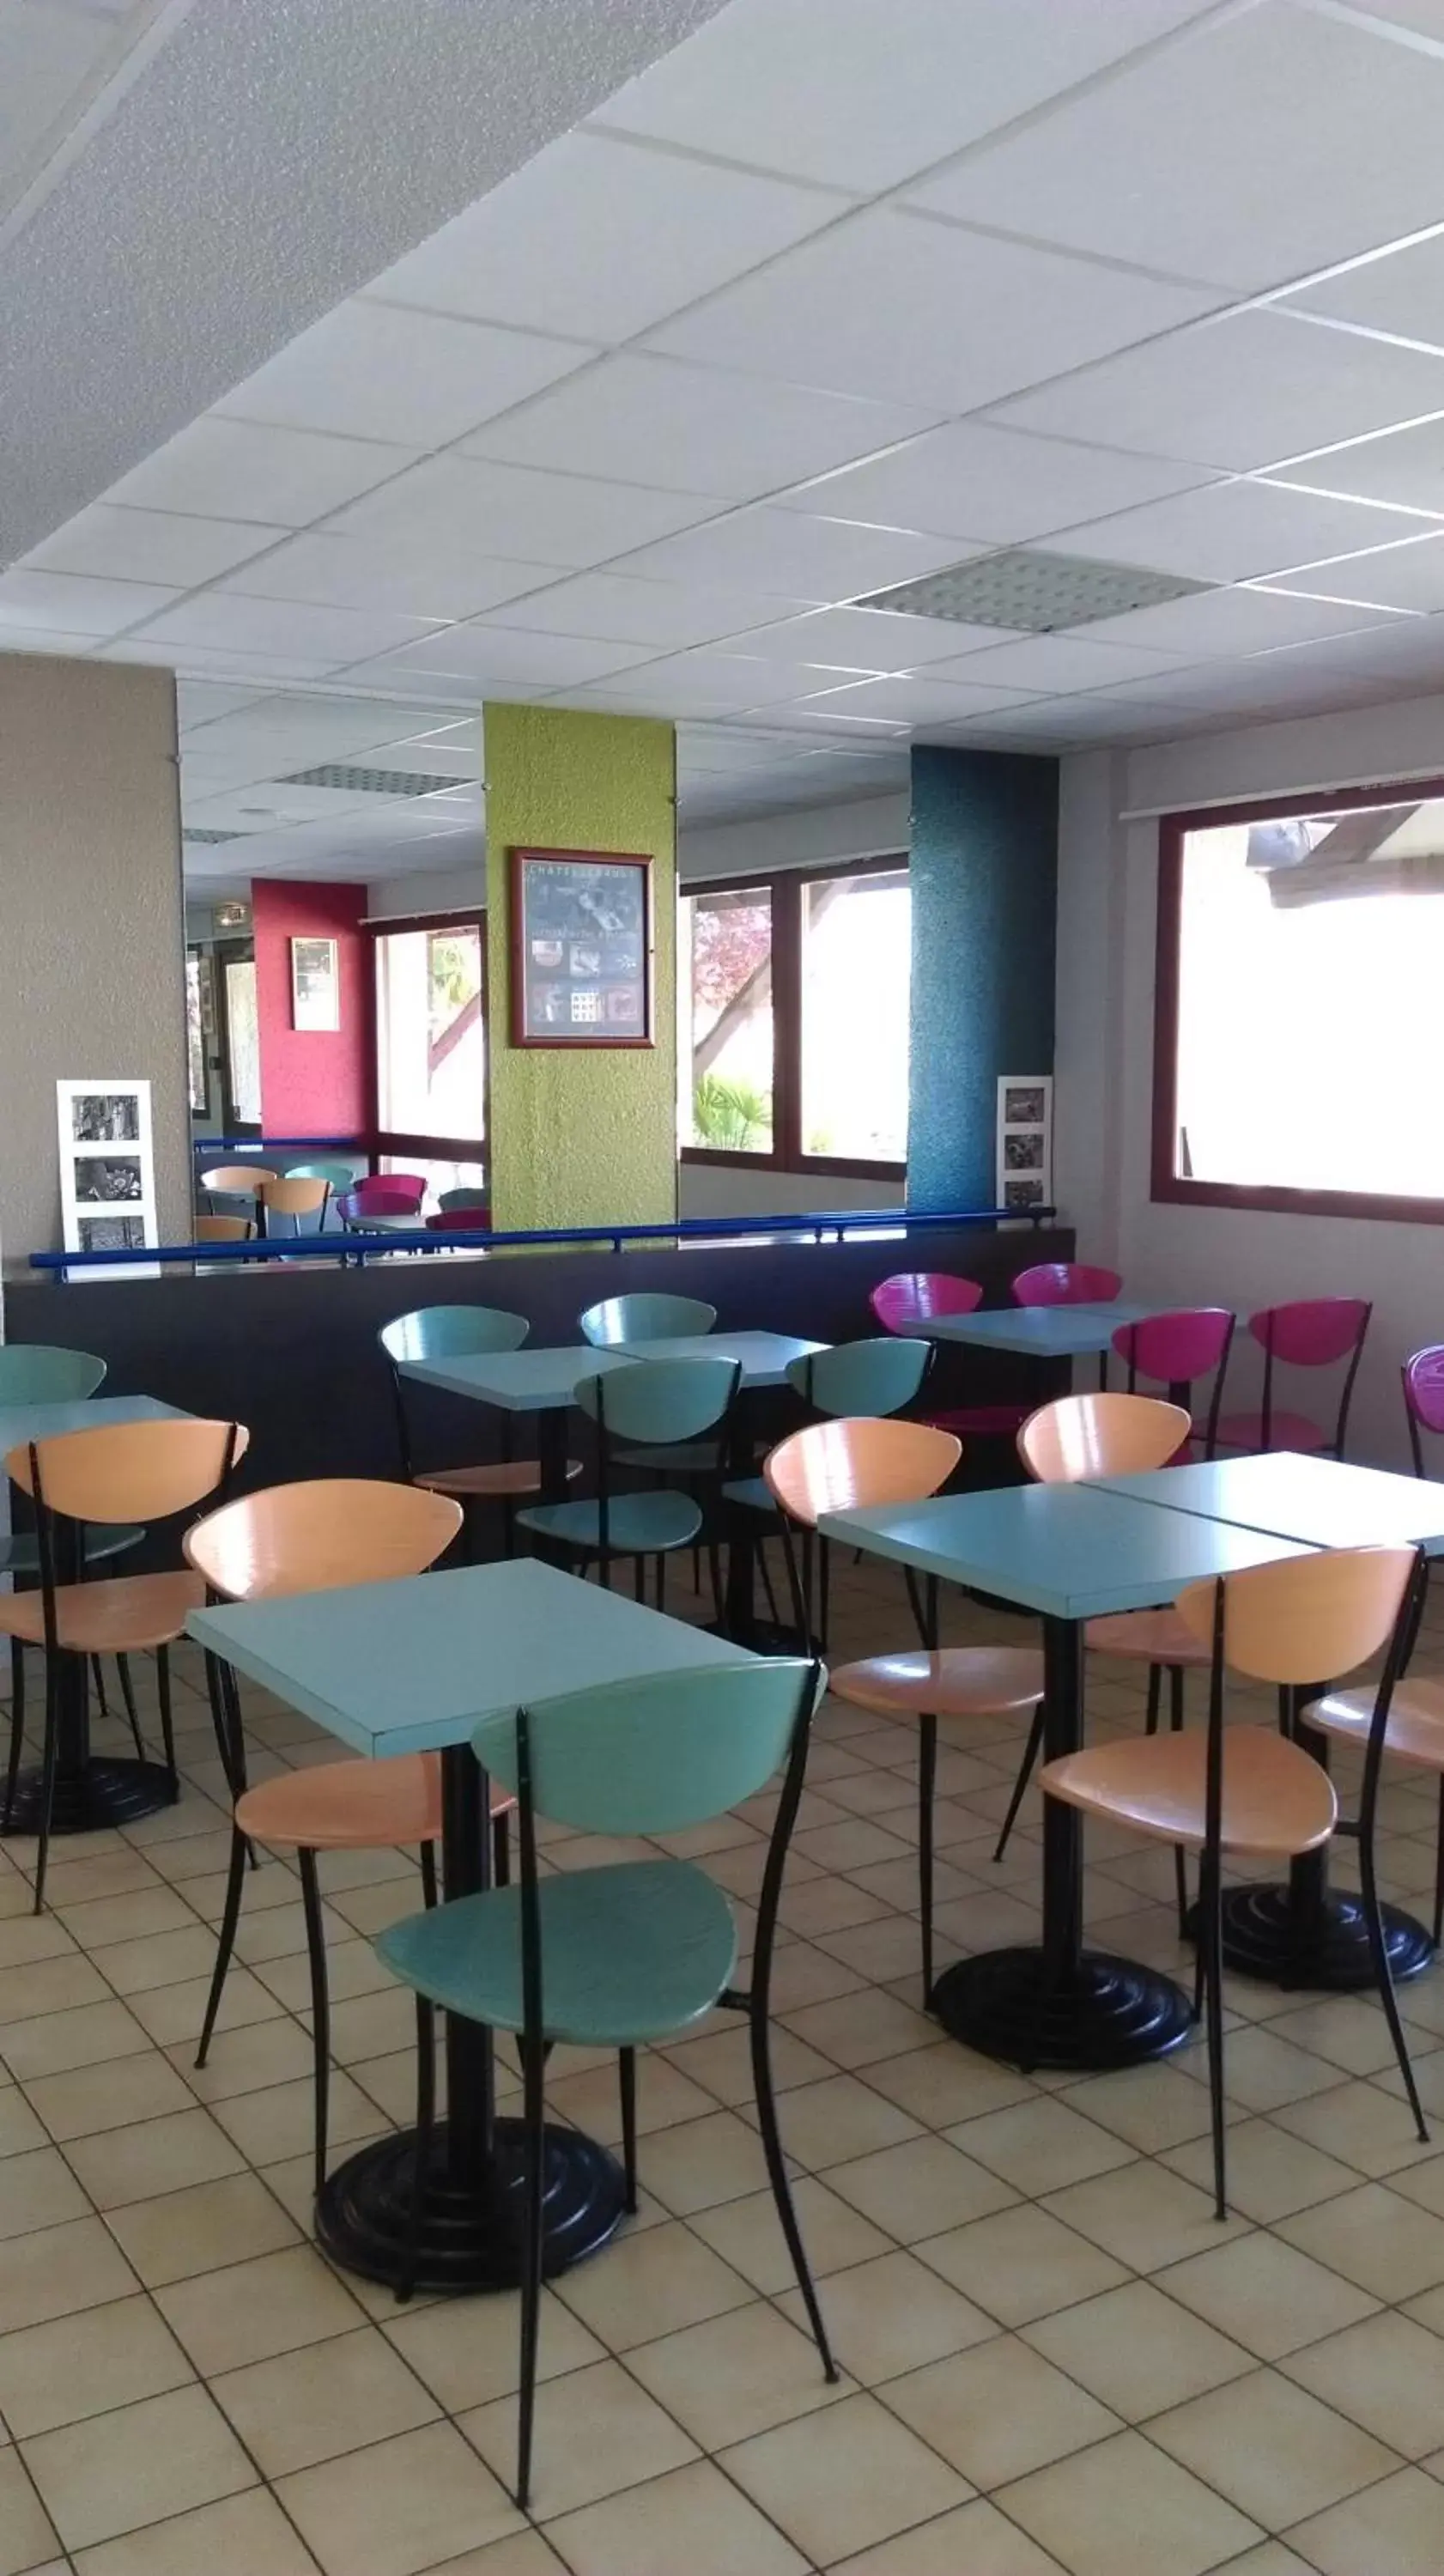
(1300, 1497)
(1035, 1332)
(411, 1666)
(1069, 1551)
(23, 1422)
(764, 1356)
(519, 1381)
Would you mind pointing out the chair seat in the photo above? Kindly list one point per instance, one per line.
(1415, 1731)
(980, 1421)
(352, 1806)
(958, 1681)
(504, 1476)
(629, 1954)
(1149, 1637)
(1286, 1431)
(637, 1524)
(752, 1492)
(121, 1616)
(675, 1458)
(20, 1553)
(1276, 1799)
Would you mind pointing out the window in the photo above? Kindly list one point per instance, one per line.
(794, 1044)
(1299, 1045)
(243, 1042)
(431, 1042)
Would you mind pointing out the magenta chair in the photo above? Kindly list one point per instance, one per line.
(907, 1300)
(1066, 1283)
(1312, 1332)
(1423, 1376)
(388, 1193)
(1174, 1351)
(459, 1220)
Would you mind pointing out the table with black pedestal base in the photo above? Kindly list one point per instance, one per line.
(1300, 1931)
(1072, 1553)
(410, 1667)
(93, 1792)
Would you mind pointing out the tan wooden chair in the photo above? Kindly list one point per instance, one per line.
(1248, 1792)
(294, 1196)
(837, 1466)
(236, 1180)
(224, 1229)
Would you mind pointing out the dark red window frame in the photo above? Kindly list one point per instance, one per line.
(394, 1140)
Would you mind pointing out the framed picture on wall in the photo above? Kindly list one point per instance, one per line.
(315, 984)
(107, 1168)
(1025, 1140)
(581, 949)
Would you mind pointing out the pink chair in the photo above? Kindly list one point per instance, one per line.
(1174, 1351)
(389, 1193)
(1066, 1283)
(1423, 1376)
(908, 1299)
(1312, 1332)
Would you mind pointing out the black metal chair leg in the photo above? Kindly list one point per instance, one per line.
(320, 2004)
(1384, 1978)
(98, 1675)
(1210, 1933)
(47, 1776)
(627, 2077)
(17, 1725)
(927, 1780)
(167, 1722)
(1180, 1856)
(421, 2154)
(1438, 1872)
(428, 1875)
(1155, 1684)
(639, 1578)
(533, 2071)
(127, 1693)
(1031, 1751)
(765, 1570)
(719, 1595)
(501, 1850)
(235, 1881)
(824, 1591)
(781, 2188)
(661, 1580)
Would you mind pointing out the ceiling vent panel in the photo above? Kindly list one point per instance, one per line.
(1032, 593)
(369, 782)
(209, 840)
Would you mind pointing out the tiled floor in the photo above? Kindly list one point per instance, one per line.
(1054, 2357)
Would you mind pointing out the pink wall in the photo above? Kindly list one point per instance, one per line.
(314, 1082)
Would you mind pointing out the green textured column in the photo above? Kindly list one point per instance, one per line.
(581, 1135)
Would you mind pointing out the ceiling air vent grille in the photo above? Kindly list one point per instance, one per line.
(369, 782)
(210, 840)
(1031, 593)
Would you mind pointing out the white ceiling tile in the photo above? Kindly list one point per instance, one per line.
(380, 371)
(647, 419)
(199, 703)
(1401, 292)
(566, 519)
(46, 639)
(863, 307)
(821, 716)
(742, 679)
(67, 604)
(1239, 393)
(1306, 140)
(674, 694)
(438, 583)
(268, 670)
(823, 560)
(917, 698)
(1409, 576)
(665, 614)
(235, 469)
(865, 639)
(1056, 663)
(428, 759)
(598, 238)
(495, 655)
(151, 546)
(331, 635)
(1422, 17)
(1226, 622)
(858, 96)
(967, 480)
(1235, 531)
(1405, 466)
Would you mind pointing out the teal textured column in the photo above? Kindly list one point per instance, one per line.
(984, 910)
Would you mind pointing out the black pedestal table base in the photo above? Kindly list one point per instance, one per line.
(104, 1794)
(469, 2232)
(1323, 1947)
(1105, 2013)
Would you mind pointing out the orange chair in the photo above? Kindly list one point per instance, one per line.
(1111, 1435)
(835, 1467)
(224, 1229)
(295, 1196)
(119, 1472)
(236, 1180)
(317, 1537)
(1247, 1790)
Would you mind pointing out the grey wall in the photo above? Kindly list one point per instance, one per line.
(92, 975)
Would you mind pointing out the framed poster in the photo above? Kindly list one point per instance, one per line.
(107, 1168)
(315, 984)
(581, 949)
(1025, 1140)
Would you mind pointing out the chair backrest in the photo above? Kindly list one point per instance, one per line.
(319, 1535)
(40, 1373)
(1078, 1436)
(1312, 1331)
(1175, 1349)
(224, 1229)
(654, 1402)
(381, 1200)
(451, 1332)
(129, 1471)
(460, 1220)
(1423, 1375)
(1066, 1283)
(453, 1199)
(835, 1466)
(294, 1194)
(654, 1756)
(1306, 1619)
(644, 1316)
(861, 1377)
(337, 1176)
(237, 1179)
(910, 1296)
(389, 1193)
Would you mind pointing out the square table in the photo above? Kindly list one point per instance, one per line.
(414, 1666)
(1035, 1332)
(1302, 1932)
(1072, 1553)
(93, 1792)
(764, 1358)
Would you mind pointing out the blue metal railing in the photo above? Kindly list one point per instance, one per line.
(699, 1229)
(211, 1145)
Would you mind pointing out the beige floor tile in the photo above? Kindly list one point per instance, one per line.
(19, 2128)
(698, 2163)
(26, 2536)
(399, 2508)
(87, 2035)
(47, 1986)
(91, 2098)
(892, 2315)
(1348, 2029)
(158, 1959)
(596, 2430)
(1124, 2509)
(1271, 2448)
(945, 2083)
(27, 1936)
(140, 2464)
(247, 2534)
(1020, 2264)
(1376, 2238)
(247, 2060)
(38, 2190)
(204, 2230)
(1153, 2107)
(1360, 2123)
(1138, 2350)
(1271, 2560)
(59, 2271)
(1389, 2530)
(1262, 2071)
(1143, 2215)
(1270, 2173)
(253, 2311)
(468, 2351)
(75, 2366)
(735, 2375)
(722, 2063)
(1041, 2146)
(127, 1918)
(747, 2235)
(525, 2555)
(845, 2478)
(692, 2519)
(152, 2156)
(829, 2123)
(861, 2029)
(651, 2285)
(920, 2188)
(280, 2120)
(592, 2100)
(1387, 2374)
(999, 2412)
(975, 2540)
(173, 2014)
(302, 2407)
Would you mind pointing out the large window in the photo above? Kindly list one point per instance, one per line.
(794, 1006)
(1300, 1042)
(431, 1032)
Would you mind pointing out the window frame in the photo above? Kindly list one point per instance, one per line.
(1166, 1186)
(784, 886)
(395, 1140)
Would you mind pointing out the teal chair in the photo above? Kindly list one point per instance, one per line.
(338, 1177)
(448, 1200)
(617, 1957)
(644, 1317)
(457, 1332)
(653, 1405)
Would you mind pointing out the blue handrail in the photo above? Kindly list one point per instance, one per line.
(696, 1229)
(279, 1145)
